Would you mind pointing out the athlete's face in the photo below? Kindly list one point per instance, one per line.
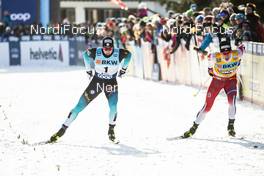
(107, 51)
(226, 53)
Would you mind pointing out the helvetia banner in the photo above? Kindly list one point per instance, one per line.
(45, 53)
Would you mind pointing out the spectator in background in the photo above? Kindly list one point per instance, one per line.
(65, 21)
(247, 35)
(216, 11)
(207, 11)
(226, 4)
(132, 20)
(224, 15)
(142, 10)
(252, 16)
(246, 25)
(254, 21)
(2, 28)
(192, 9)
(242, 30)
(237, 28)
(137, 32)
(8, 32)
(6, 18)
(232, 19)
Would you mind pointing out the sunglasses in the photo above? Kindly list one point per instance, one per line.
(107, 49)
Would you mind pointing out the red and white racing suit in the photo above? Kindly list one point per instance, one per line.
(223, 68)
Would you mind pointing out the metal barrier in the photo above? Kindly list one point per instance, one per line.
(184, 66)
(190, 68)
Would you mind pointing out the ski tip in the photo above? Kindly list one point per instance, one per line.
(175, 138)
(38, 143)
(236, 137)
(116, 142)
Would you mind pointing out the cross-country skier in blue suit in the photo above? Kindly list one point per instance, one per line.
(107, 61)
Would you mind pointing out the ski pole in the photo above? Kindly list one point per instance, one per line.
(201, 87)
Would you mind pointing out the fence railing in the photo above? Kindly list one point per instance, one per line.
(183, 66)
(190, 68)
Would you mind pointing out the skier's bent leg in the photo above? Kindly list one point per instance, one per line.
(71, 117)
(231, 106)
(112, 102)
(112, 97)
(231, 114)
(88, 96)
(212, 92)
(75, 111)
(231, 91)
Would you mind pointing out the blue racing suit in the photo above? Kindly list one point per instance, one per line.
(106, 69)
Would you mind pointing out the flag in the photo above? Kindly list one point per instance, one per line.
(121, 4)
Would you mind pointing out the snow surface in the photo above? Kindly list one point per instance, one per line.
(35, 102)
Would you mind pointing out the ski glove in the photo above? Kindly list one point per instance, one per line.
(242, 47)
(122, 72)
(211, 72)
(90, 74)
(199, 50)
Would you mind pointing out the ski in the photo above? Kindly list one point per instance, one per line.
(175, 138)
(237, 137)
(182, 137)
(116, 141)
(37, 143)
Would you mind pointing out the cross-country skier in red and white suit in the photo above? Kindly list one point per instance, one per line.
(222, 67)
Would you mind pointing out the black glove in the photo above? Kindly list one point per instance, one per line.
(199, 50)
(122, 72)
(196, 48)
(238, 41)
(90, 74)
(211, 72)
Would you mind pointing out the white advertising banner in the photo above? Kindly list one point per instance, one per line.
(4, 54)
(45, 53)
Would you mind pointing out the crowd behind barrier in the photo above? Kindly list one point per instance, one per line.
(190, 68)
(183, 66)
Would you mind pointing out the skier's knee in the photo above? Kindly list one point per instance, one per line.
(231, 110)
(207, 109)
(78, 108)
(113, 109)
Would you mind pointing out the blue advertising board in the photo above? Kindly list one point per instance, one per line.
(1, 10)
(14, 50)
(20, 11)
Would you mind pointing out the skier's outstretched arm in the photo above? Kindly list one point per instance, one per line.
(88, 57)
(241, 49)
(206, 42)
(126, 56)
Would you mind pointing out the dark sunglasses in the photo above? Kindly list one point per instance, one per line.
(107, 49)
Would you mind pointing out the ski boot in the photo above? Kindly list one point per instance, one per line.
(111, 134)
(57, 135)
(191, 131)
(230, 128)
